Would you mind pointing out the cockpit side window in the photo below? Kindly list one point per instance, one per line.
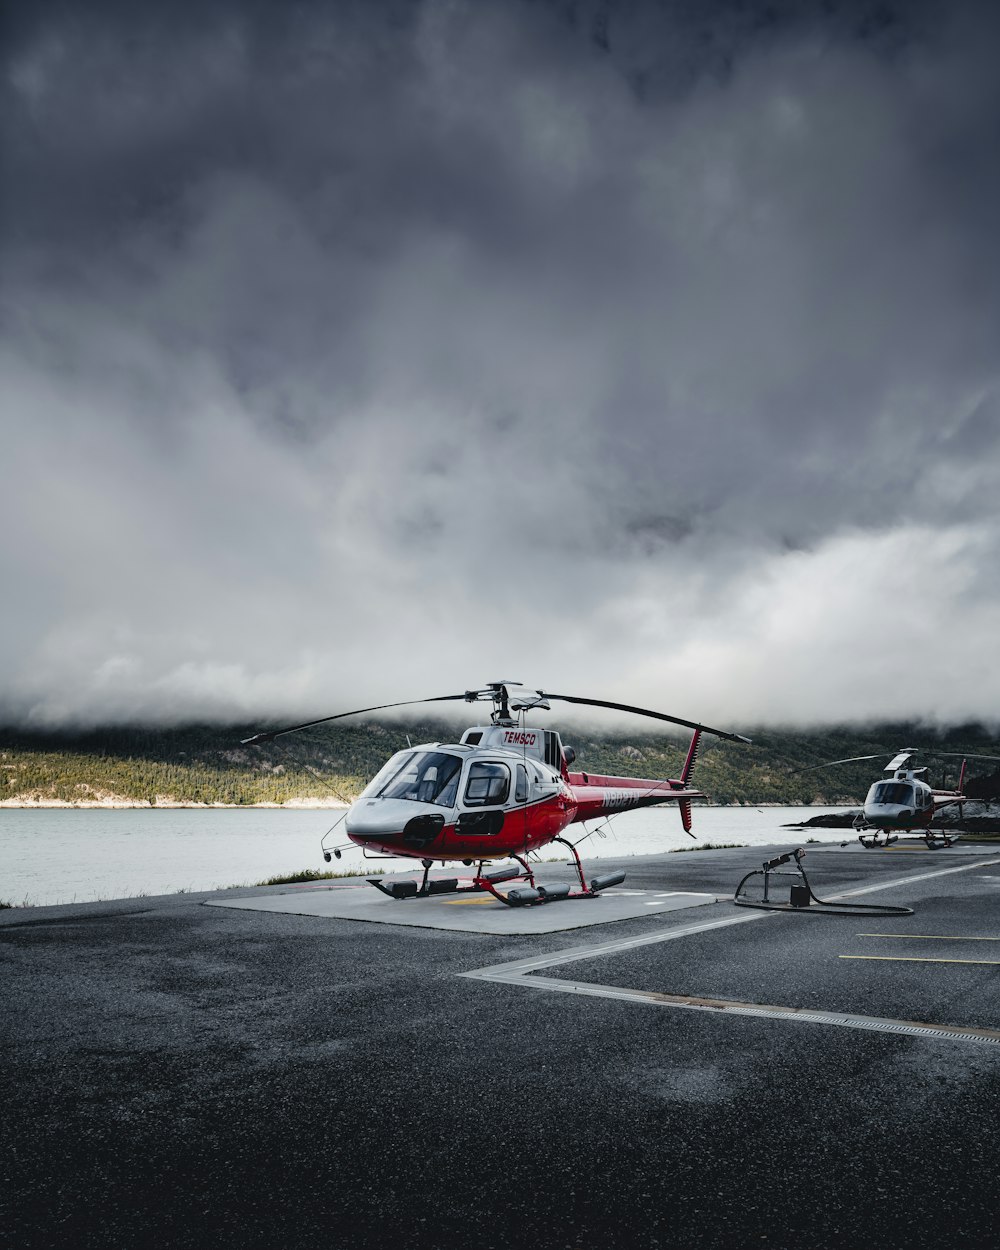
(488, 784)
(521, 785)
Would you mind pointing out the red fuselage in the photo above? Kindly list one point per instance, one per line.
(471, 802)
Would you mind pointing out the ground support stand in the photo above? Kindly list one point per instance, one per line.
(801, 894)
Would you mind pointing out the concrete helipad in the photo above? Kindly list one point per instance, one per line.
(467, 913)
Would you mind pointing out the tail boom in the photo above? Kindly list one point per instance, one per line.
(606, 796)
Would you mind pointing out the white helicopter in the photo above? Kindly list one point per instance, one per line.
(906, 802)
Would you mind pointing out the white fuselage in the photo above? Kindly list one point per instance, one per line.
(901, 802)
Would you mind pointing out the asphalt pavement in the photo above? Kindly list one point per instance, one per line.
(188, 1076)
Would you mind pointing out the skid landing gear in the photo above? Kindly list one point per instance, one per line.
(532, 894)
(870, 839)
(520, 896)
(443, 885)
(871, 842)
(935, 838)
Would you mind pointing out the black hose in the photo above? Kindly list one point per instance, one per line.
(834, 908)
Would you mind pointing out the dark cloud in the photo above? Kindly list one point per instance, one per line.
(355, 349)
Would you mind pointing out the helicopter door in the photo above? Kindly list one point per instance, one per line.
(486, 790)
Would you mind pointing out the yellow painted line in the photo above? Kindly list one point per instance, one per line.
(915, 959)
(469, 902)
(931, 937)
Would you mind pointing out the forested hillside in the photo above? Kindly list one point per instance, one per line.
(207, 764)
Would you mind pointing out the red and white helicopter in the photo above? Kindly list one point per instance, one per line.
(501, 792)
(906, 802)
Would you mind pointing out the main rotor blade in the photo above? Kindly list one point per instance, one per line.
(963, 755)
(851, 759)
(277, 733)
(643, 711)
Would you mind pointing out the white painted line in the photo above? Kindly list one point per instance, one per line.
(920, 876)
(930, 937)
(919, 959)
(519, 972)
(723, 1006)
(517, 968)
(521, 967)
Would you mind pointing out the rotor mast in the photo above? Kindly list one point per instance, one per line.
(497, 691)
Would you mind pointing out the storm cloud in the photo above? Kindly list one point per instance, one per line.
(354, 352)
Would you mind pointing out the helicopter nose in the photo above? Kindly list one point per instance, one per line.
(886, 814)
(379, 818)
(394, 822)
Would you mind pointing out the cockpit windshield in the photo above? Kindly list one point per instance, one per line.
(892, 792)
(421, 776)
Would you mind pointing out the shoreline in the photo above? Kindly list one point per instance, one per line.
(301, 804)
(168, 805)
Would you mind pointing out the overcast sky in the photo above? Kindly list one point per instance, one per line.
(358, 352)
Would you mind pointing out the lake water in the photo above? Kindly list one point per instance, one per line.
(84, 854)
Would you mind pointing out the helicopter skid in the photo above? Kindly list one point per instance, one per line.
(450, 885)
(870, 843)
(410, 889)
(528, 896)
(520, 896)
(533, 894)
(934, 839)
